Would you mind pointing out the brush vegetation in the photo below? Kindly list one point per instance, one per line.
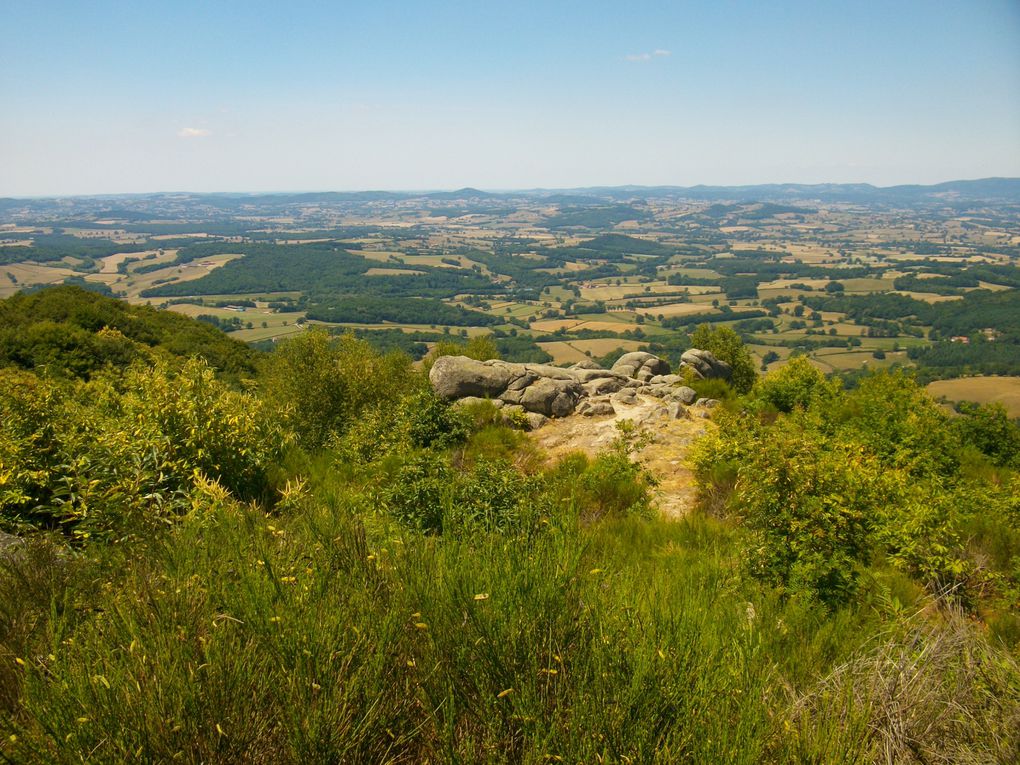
(319, 561)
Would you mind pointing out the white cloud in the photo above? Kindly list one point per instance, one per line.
(642, 57)
(190, 132)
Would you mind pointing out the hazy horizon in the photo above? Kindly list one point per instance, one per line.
(117, 98)
(490, 190)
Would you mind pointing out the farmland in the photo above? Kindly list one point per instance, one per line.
(981, 390)
(853, 279)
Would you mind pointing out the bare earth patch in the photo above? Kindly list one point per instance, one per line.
(662, 450)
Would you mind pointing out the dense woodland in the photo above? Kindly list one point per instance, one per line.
(302, 555)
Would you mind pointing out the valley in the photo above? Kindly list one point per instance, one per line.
(853, 278)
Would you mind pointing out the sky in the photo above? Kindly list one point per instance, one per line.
(98, 96)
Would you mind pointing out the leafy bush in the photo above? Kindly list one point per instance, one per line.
(495, 496)
(810, 513)
(321, 386)
(727, 346)
(419, 492)
(795, 384)
(119, 453)
(989, 429)
(432, 422)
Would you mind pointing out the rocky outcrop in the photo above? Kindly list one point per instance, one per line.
(456, 377)
(541, 390)
(705, 365)
(640, 365)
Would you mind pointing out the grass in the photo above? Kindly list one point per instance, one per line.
(328, 634)
(983, 390)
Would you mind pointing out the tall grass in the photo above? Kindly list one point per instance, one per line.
(327, 632)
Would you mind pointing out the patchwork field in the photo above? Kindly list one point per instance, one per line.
(531, 267)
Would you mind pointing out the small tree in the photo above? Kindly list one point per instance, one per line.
(727, 346)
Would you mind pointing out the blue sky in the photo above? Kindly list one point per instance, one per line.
(104, 97)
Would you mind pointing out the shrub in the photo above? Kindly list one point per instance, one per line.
(321, 386)
(432, 422)
(989, 429)
(120, 453)
(727, 346)
(809, 513)
(795, 384)
(495, 496)
(419, 491)
(608, 485)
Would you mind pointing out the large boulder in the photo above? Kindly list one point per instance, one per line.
(603, 385)
(705, 364)
(553, 398)
(640, 365)
(685, 395)
(455, 377)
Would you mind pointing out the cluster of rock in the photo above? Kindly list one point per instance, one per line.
(538, 391)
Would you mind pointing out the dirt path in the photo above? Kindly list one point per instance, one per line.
(662, 451)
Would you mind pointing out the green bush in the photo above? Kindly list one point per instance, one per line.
(321, 386)
(122, 452)
(795, 384)
(420, 491)
(432, 422)
(989, 429)
(809, 512)
(495, 496)
(727, 346)
(608, 485)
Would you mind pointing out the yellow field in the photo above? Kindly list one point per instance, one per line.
(134, 285)
(674, 309)
(613, 292)
(28, 274)
(929, 297)
(260, 333)
(778, 284)
(843, 360)
(564, 352)
(983, 390)
(110, 262)
(604, 345)
(380, 256)
(611, 326)
(551, 325)
(392, 272)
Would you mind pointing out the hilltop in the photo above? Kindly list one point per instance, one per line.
(346, 556)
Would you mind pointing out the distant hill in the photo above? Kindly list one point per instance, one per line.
(133, 207)
(986, 189)
(465, 193)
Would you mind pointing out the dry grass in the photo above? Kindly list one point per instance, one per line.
(674, 309)
(929, 297)
(562, 352)
(29, 274)
(392, 272)
(983, 390)
(604, 345)
(937, 694)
